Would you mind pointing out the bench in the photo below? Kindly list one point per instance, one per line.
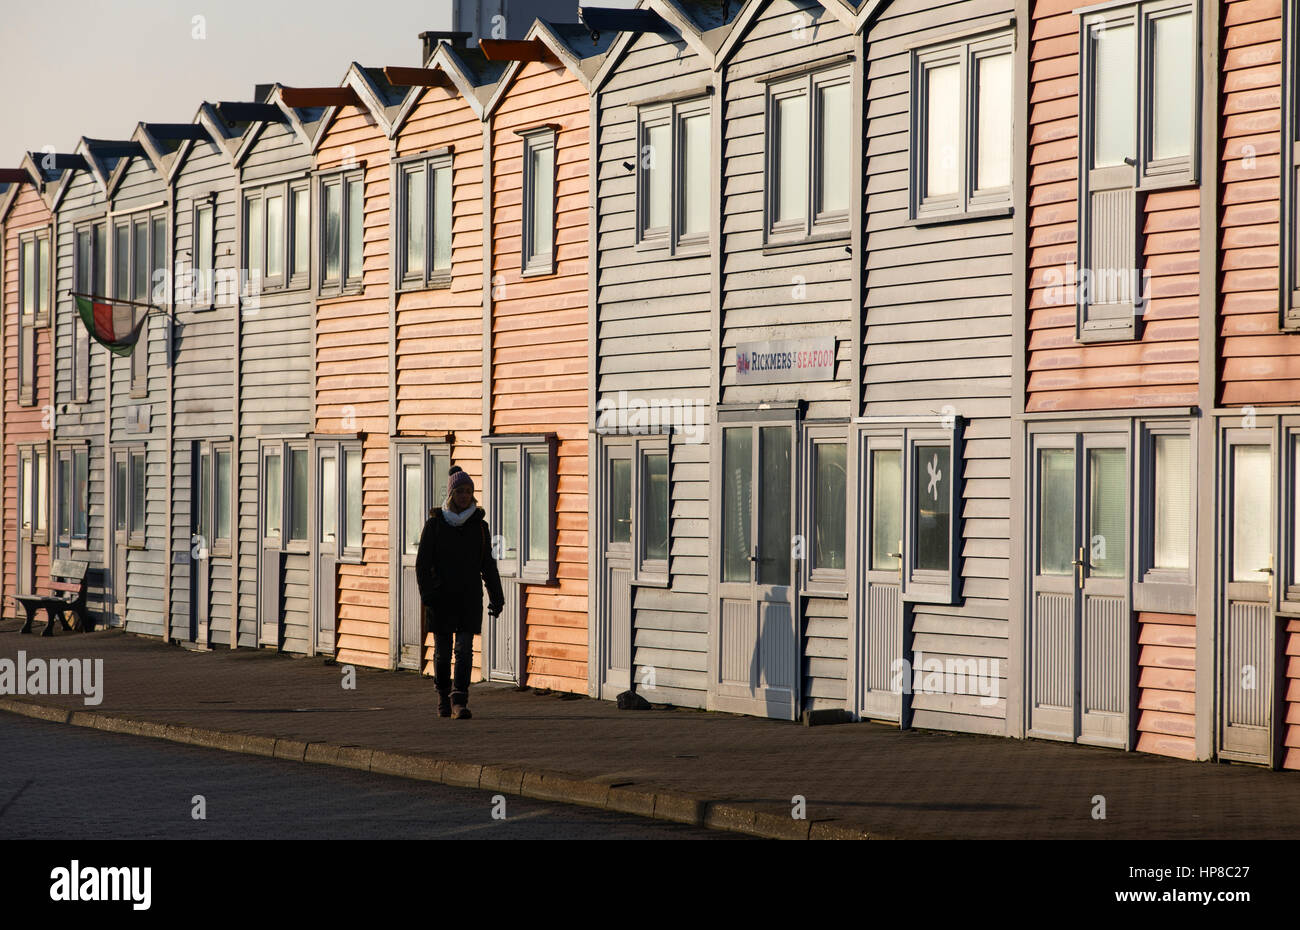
(68, 593)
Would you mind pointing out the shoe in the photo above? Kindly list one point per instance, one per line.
(444, 705)
(459, 710)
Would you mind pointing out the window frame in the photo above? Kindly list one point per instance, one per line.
(340, 177)
(1289, 219)
(81, 342)
(136, 534)
(831, 582)
(812, 226)
(968, 202)
(517, 447)
(78, 506)
(426, 163)
(30, 320)
(673, 114)
(649, 572)
(534, 140)
(1155, 589)
(203, 287)
(30, 457)
(139, 358)
(216, 546)
(289, 542)
(1140, 174)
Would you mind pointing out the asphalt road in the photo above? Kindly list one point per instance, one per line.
(71, 783)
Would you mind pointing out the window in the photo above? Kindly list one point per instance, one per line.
(638, 505)
(139, 274)
(286, 490)
(132, 504)
(276, 226)
(92, 278)
(1167, 518)
(538, 245)
(351, 509)
(963, 96)
(73, 496)
(33, 492)
(826, 511)
(341, 234)
(1139, 115)
(298, 494)
(673, 160)
(1290, 220)
(424, 195)
(521, 504)
(212, 497)
(914, 489)
(33, 306)
(809, 177)
(204, 254)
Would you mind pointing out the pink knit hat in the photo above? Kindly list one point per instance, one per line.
(457, 478)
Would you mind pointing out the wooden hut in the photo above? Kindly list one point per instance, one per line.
(655, 242)
(354, 353)
(27, 292)
(536, 353)
(436, 399)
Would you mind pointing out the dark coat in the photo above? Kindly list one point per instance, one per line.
(448, 566)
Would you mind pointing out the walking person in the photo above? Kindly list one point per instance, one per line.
(453, 563)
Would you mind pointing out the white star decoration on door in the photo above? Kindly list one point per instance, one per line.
(932, 467)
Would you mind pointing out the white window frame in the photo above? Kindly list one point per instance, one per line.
(85, 269)
(517, 448)
(136, 534)
(832, 225)
(78, 505)
(532, 262)
(672, 113)
(139, 358)
(344, 284)
(1161, 590)
(31, 319)
(825, 581)
(426, 163)
(926, 585)
(968, 201)
(1289, 220)
(646, 571)
(217, 546)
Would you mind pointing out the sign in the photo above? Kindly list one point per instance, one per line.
(785, 360)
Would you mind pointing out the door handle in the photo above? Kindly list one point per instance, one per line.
(1078, 567)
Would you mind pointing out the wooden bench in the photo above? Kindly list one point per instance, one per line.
(68, 593)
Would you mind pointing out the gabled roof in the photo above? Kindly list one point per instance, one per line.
(699, 23)
(840, 9)
(304, 122)
(471, 73)
(380, 98)
(93, 155)
(571, 43)
(126, 152)
(226, 133)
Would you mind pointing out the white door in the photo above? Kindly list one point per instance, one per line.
(614, 529)
(880, 570)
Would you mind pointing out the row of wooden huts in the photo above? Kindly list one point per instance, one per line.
(916, 361)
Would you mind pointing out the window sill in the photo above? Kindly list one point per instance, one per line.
(1165, 597)
(538, 271)
(351, 290)
(1127, 333)
(939, 219)
(298, 547)
(440, 282)
(652, 244)
(813, 589)
(781, 246)
(1152, 184)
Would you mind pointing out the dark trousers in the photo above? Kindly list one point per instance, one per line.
(442, 653)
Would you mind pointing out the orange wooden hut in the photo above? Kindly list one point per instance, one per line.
(536, 353)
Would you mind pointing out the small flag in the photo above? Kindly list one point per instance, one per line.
(112, 325)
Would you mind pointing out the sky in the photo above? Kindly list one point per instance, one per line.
(95, 68)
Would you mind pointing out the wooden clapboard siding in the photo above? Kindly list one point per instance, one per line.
(1289, 683)
(276, 390)
(938, 333)
(1167, 685)
(438, 364)
(758, 290)
(351, 388)
(653, 341)
(1158, 369)
(1259, 361)
(23, 423)
(141, 187)
(203, 378)
(539, 352)
(82, 200)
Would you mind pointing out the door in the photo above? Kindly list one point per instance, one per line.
(327, 548)
(28, 507)
(615, 540)
(1080, 624)
(503, 634)
(881, 571)
(755, 665)
(421, 472)
(201, 547)
(270, 576)
(120, 536)
(1248, 618)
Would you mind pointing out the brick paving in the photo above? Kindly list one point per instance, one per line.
(865, 777)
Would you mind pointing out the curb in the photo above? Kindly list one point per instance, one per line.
(538, 784)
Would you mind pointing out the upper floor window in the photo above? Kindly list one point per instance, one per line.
(92, 278)
(808, 155)
(276, 225)
(962, 104)
(33, 306)
(673, 174)
(424, 196)
(1290, 238)
(139, 269)
(538, 246)
(341, 232)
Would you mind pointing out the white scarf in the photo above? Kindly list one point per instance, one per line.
(458, 519)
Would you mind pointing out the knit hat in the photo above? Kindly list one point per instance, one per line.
(457, 478)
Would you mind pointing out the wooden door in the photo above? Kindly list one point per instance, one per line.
(270, 568)
(883, 683)
(615, 540)
(325, 561)
(1246, 679)
(756, 654)
(1079, 677)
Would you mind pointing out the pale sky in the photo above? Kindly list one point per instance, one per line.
(97, 67)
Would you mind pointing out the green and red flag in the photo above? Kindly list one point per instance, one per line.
(113, 324)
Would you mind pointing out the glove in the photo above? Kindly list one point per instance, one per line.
(495, 609)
